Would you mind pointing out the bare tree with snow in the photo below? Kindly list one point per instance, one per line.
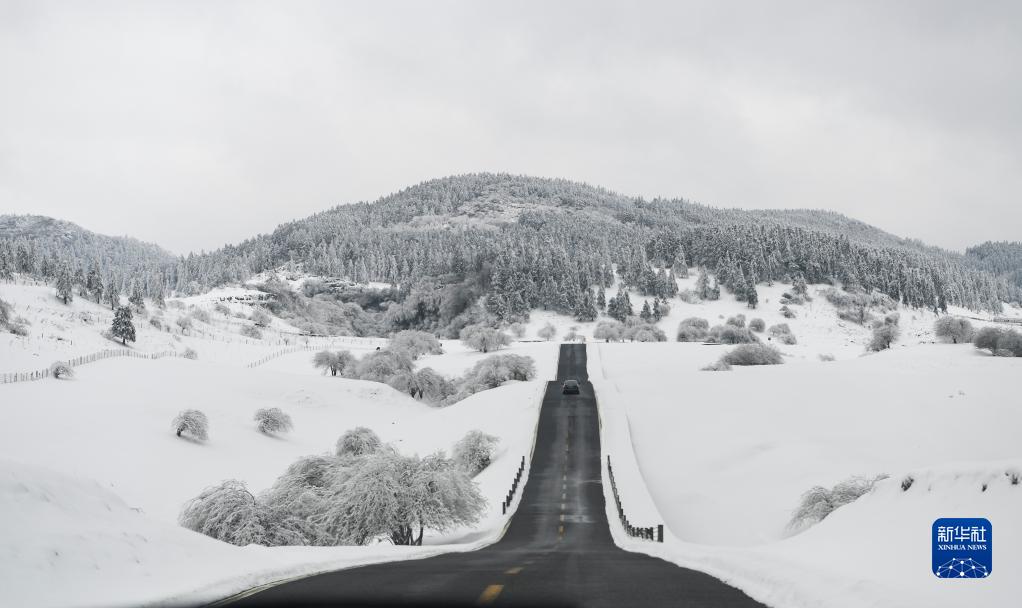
(474, 451)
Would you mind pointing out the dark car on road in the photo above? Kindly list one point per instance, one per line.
(570, 387)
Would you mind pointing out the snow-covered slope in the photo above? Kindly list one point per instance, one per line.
(723, 458)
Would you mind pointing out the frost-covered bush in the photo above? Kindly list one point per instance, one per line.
(1000, 342)
(425, 384)
(260, 318)
(693, 329)
(156, 323)
(484, 339)
(251, 331)
(717, 366)
(273, 420)
(787, 313)
(690, 297)
(782, 333)
(789, 298)
(953, 329)
(222, 309)
(200, 314)
(819, 502)
(416, 343)
(826, 357)
(753, 354)
(858, 314)
(645, 333)
(729, 334)
(230, 513)
(757, 325)
(359, 441)
(498, 369)
(884, 335)
(334, 362)
(60, 369)
(608, 331)
(6, 312)
(190, 354)
(737, 321)
(380, 365)
(517, 330)
(400, 496)
(574, 336)
(547, 332)
(185, 323)
(192, 423)
(474, 451)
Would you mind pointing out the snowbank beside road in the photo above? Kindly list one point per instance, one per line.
(724, 458)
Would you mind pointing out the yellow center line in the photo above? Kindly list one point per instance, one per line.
(514, 570)
(490, 594)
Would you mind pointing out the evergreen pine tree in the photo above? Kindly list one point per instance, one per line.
(136, 298)
(601, 299)
(122, 327)
(646, 314)
(586, 311)
(65, 283)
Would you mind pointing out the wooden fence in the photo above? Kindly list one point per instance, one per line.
(7, 378)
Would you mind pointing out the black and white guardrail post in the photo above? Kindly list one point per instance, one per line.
(633, 531)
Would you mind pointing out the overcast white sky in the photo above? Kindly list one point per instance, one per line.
(194, 124)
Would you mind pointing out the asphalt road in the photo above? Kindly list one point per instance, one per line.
(557, 550)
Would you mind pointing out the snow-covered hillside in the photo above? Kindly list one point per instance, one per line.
(94, 476)
(723, 458)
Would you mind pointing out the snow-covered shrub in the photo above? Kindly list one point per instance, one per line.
(884, 334)
(717, 366)
(953, 329)
(200, 314)
(400, 496)
(729, 334)
(789, 298)
(494, 371)
(380, 365)
(826, 357)
(782, 333)
(190, 354)
(185, 323)
(416, 343)
(192, 423)
(787, 313)
(156, 323)
(425, 384)
(260, 318)
(690, 297)
(474, 451)
(1000, 342)
(251, 331)
(757, 325)
(645, 333)
(334, 362)
(574, 336)
(222, 309)
(547, 332)
(737, 321)
(693, 329)
(230, 513)
(273, 420)
(753, 354)
(483, 338)
(517, 330)
(858, 314)
(60, 369)
(18, 329)
(819, 502)
(359, 441)
(608, 331)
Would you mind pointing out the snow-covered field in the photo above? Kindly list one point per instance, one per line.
(722, 458)
(92, 476)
